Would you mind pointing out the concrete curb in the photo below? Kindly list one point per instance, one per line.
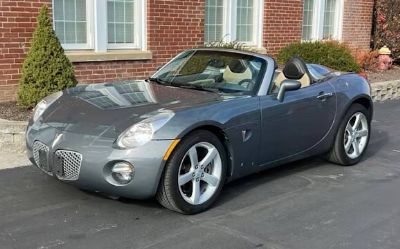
(12, 133)
(9, 160)
(386, 90)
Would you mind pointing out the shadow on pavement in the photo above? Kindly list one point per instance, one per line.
(377, 141)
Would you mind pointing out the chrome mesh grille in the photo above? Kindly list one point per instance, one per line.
(71, 164)
(37, 147)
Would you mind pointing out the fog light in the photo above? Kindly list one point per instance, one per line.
(122, 172)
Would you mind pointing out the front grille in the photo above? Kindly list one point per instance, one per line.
(71, 164)
(40, 155)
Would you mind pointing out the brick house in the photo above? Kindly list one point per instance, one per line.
(122, 39)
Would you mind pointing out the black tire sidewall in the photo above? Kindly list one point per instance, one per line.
(173, 164)
(340, 135)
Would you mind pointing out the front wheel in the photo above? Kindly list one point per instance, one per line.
(194, 175)
(352, 138)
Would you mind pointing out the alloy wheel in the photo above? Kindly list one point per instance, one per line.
(200, 173)
(356, 135)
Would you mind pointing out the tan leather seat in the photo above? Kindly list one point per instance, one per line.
(280, 77)
(240, 73)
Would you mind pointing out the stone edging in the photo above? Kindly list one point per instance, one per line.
(386, 90)
(12, 133)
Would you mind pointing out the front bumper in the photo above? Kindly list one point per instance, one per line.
(97, 156)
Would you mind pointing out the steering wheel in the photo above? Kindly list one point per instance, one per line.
(247, 83)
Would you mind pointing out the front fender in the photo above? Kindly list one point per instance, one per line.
(223, 115)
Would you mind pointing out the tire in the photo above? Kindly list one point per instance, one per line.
(179, 195)
(343, 151)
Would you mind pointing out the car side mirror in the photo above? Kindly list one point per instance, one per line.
(287, 85)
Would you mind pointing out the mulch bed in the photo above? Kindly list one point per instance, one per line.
(10, 111)
(391, 74)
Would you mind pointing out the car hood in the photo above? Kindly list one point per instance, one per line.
(108, 109)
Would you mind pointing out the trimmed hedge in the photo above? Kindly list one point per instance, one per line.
(46, 69)
(331, 54)
(228, 45)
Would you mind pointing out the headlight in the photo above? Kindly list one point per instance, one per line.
(142, 132)
(44, 104)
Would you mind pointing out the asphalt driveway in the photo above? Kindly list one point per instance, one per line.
(308, 204)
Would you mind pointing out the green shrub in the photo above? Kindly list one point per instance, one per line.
(331, 54)
(46, 69)
(228, 45)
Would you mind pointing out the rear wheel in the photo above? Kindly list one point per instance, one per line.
(352, 138)
(194, 175)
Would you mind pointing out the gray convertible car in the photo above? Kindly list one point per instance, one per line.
(207, 117)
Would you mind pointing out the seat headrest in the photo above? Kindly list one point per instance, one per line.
(295, 68)
(217, 63)
(236, 66)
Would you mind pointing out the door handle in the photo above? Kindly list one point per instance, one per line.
(323, 96)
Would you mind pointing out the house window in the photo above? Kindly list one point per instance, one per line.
(234, 20)
(330, 21)
(71, 23)
(322, 19)
(245, 20)
(308, 19)
(121, 23)
(100, 25)
(214, 25)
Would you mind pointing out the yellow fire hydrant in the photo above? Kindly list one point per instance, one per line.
(384, 59)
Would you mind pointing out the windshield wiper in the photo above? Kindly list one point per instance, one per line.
(196, 87)
(159, 81)
(188, 86)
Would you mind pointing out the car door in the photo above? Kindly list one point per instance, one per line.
(296, 124)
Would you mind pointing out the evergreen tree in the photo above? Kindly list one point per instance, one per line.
(46, 68)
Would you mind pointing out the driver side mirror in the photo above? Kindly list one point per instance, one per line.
(287, 85)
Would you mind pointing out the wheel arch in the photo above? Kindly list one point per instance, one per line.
(336, 153)
(218, 131)
(364, 100)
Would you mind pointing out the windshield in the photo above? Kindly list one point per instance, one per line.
(213, 70)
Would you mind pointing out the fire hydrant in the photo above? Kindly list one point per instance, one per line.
(384, 59)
